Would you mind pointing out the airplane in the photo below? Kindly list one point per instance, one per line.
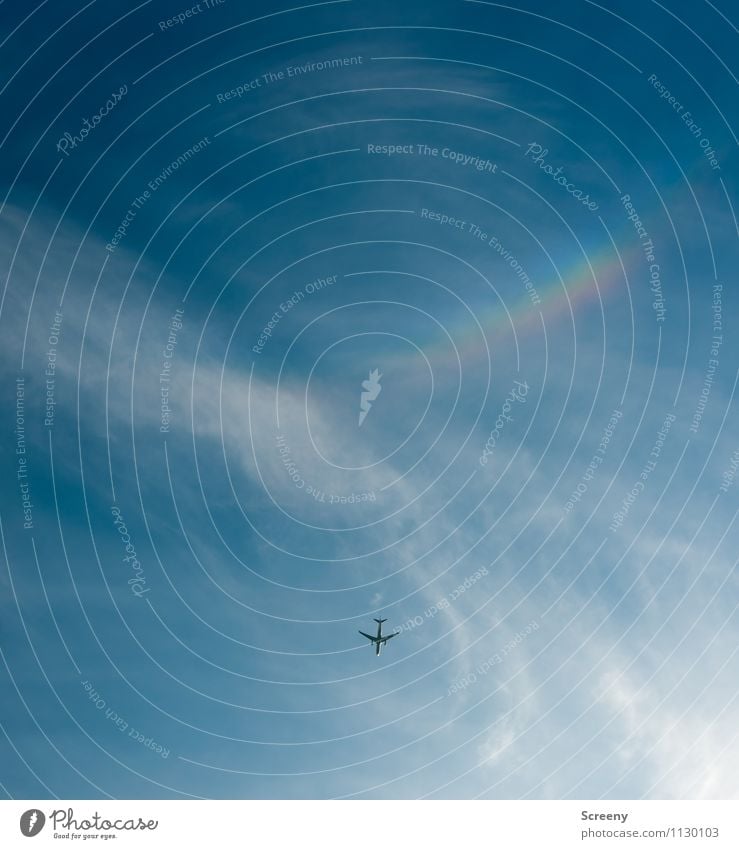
(379, 639)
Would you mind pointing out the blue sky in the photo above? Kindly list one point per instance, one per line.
(546, 650)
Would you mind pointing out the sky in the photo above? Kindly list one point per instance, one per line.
(218, 220)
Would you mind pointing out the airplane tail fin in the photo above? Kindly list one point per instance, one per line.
(380, 621)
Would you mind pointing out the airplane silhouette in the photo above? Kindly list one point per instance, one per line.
(379, 640)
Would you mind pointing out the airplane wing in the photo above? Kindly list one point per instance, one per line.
(390, 636)
(369, 636)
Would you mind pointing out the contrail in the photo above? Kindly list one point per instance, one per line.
(371, 389)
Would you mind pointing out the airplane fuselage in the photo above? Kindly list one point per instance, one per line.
(378, 644)
(378, 640)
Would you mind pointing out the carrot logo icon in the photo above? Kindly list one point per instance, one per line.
(371, 389)
(32, 822)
